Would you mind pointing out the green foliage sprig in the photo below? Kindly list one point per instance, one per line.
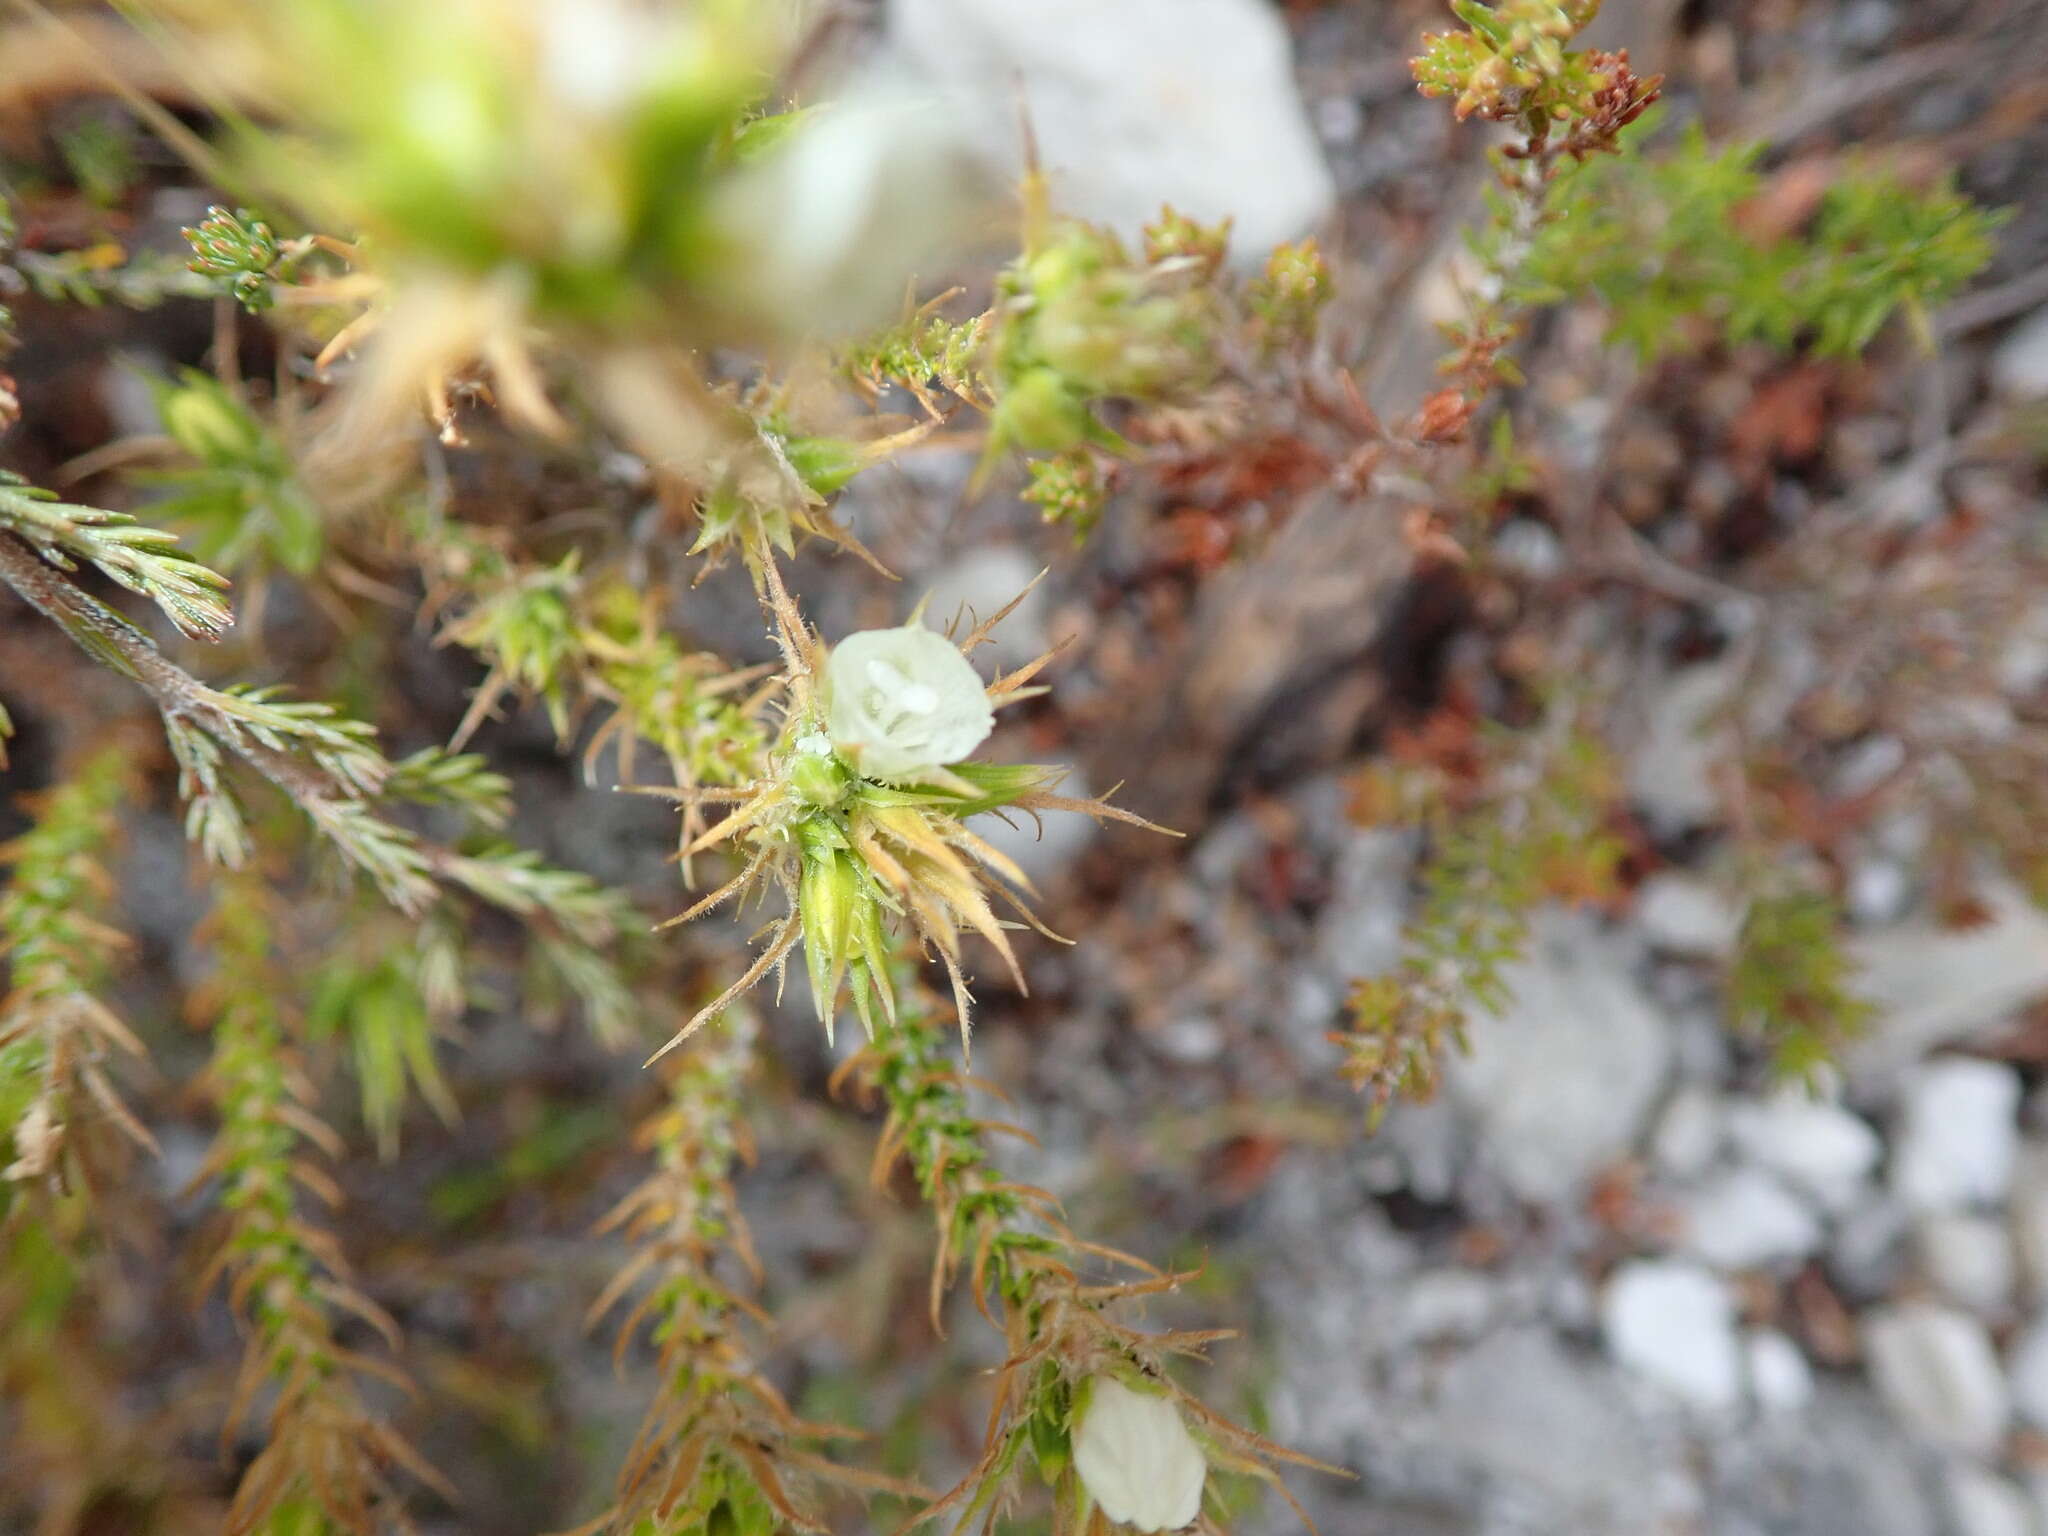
(720, 1449)
(1070, 488)
(1566, 106)
(1079, 321)
(138, 557)
(241, 501)
(386, 998)
(1662, 240)
(1539, 832)
(329, 766)
(326, 1459)
(106, 273)
(243, 254)
(56, 1034)
(1510, 62)
(1021, 1264)
(1792, 982)
(923, 351)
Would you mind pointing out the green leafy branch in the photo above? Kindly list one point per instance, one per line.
(1020, 1257)
(591, 646)
(1567, 107)
(1791, 983)
(56, 1034)
(1664, 240)
(386, 996)
(1539, 834)
(398, 985)
(326, 1458)
(235, 252)
(138, 557)
(330, 767)
(241, 499)
(98, 274)
(719, 1450)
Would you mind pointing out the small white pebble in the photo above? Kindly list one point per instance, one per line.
(1935, 1369)
(1958, 1136)
(1779, 1378)
(1674, 1324)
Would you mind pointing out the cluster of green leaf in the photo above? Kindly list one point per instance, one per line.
(527, 630)
(108, 273)
(326, 762)
(1078, 321)
(1289, 296)
(592, 647)
(139, 557)
(386, 997)
(1510, 60)
(1070, 488)
(1792, 982)
(242, 254)
(1565, 106)
(241, 502)
(1081, 324)
(1660, 239)
(924, 350)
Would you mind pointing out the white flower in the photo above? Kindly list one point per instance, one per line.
(1137, 1459)
(899, 701)
(861, 194)
(596, 55)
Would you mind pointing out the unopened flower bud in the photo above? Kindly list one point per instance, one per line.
(1137, 1459)
(815, 776)
(828, 894)
(825, 464)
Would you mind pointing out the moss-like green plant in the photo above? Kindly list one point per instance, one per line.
(1792, 983)
(1539, 834)
(56, 1033)
(1661, 240)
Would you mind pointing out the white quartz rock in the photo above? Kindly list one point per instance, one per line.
(1818, 1147)
(1958, 1134)
(1144, 102)
(1674, 1324)
(1935, 1369)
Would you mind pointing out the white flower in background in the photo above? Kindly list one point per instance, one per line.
(596, 55)
(1137, 1459)
(899, 701)
(865, 192)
